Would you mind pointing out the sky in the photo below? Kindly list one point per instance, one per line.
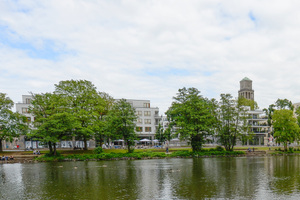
(149, 49)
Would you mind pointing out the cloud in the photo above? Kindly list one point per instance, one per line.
(150, 49)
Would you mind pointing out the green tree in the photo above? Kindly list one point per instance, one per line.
(163, 135)
(83, 100)
(11, 124)
(286, 129)
(193, 116)
(298, 115)
(232, 122)
(284, 104)
(159, 134)
(121, 122)
(103, 106)
(53, 121)
(269, 112)
(242, 101)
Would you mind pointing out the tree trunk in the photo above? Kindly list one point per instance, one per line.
(50, 147)
(1, 145)
(196, 142)
(285, 146)
(54, 147)
(128, 147)
(85, 144)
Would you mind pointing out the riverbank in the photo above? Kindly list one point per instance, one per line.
(119, 154)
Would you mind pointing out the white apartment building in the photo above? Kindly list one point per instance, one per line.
(258, 126)
(146, 125)
(148, 118)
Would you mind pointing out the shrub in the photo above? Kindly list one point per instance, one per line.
(184, 153)
(291, 150)
(219, 148)
(98, 150)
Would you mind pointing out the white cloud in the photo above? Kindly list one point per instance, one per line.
(118, 45)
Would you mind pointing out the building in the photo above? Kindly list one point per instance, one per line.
(256, 119)
(148, 118)
(246, 90)
(258, 126)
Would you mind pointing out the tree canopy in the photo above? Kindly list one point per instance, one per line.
(53, 121)
(286, 129)
(12, 124)
(232, 121)
(85, 104)
(284, 104)
(193, 116)
(121, 122)
(242, 101)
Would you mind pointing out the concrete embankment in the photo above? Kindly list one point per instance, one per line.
(19, 159)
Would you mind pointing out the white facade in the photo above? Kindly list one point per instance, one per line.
(258, 126)
(147, 118)
(22, 107)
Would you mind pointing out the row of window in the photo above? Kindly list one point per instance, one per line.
(146, 113)
(146, 121)
(25, 110)
(140, 129)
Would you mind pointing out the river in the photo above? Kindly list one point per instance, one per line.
(270, 177)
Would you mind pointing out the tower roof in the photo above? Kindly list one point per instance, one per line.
(246, 79)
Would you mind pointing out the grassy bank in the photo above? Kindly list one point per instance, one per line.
(142, 154)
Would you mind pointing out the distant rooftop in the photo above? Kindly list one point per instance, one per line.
(246, 79)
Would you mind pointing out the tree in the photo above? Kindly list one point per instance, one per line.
(232, 122)
(193, 116)
(53, 121)
(103, 106)
(269, 112)
(83, 100)
(11, 124)
(121, 122)
(159, 134)
(242, 101)
(286, 129)
(284, 104)
(298, 115)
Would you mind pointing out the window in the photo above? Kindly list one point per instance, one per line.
(139, 129)
(139, 121)
(147, 113)
(27, 101)
(24, 110)
(147, 129)
(147, 121)
(139, 113)
(146, 105)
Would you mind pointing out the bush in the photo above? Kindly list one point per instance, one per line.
(219, 148)
(291, 150)
(98, 150)
(184, 153)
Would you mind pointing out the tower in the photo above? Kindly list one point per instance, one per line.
(246, 89)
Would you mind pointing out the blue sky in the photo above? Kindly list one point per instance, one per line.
(149, 49)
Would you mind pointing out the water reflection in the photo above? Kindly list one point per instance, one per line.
(229, 178)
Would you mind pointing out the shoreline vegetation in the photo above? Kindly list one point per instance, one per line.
(140, 154)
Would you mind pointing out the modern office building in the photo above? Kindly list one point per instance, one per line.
(246, 90)
(148, 118)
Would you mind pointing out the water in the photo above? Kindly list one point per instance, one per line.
(274, 177)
